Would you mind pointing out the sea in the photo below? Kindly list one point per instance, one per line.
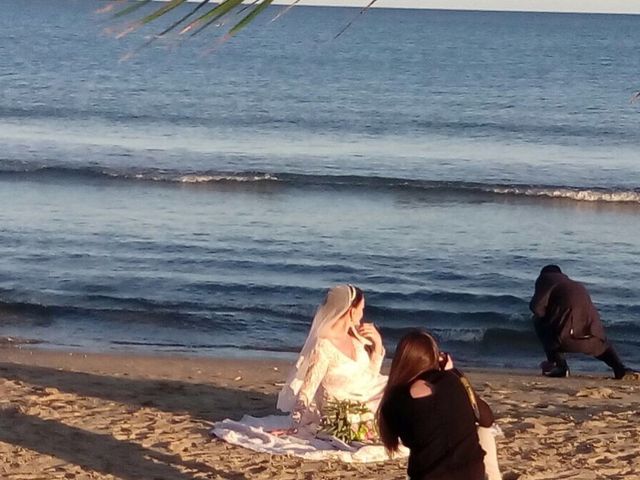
(199, 197)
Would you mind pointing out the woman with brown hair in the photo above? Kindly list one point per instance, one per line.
(431, 408)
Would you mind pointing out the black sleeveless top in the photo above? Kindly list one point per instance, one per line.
(439, 430)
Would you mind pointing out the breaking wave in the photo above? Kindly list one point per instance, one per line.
(211, 178)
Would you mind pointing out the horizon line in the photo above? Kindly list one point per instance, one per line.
(613, 7)
(437, 9)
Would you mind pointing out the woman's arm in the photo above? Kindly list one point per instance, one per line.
(318, 365)
(376, 356)
(486, 415)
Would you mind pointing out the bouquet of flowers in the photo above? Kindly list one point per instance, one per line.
(348, 421)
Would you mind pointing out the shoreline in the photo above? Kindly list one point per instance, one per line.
(86, 415)
(581, 365)
(36, 352)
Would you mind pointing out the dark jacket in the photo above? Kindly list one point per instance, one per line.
(564, 307)
(439, 430)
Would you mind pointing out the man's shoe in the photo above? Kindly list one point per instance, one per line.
(627, 374)
(547, 366)
(557, 372)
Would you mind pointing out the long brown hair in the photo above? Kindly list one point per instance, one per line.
(417, 352)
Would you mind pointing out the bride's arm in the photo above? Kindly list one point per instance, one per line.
(376, 358)
(318, 365)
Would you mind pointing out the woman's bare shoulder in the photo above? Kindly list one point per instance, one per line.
(420, 389)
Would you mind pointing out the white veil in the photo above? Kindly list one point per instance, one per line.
(336, 303)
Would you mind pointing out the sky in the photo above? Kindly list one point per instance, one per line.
(583, 6)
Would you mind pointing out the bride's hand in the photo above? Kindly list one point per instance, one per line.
(368, 330)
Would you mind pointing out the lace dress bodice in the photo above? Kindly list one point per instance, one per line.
(334, 375)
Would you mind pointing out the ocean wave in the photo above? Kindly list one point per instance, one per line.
(11, 341)
(480, 340)
(226, 178)
(300, 121)
(502, 301)
(374, 183)
(482, 332)
(149, 175)
(19, 312)
(505, 337)
(583, 195)
(391, 318)
(113, 310)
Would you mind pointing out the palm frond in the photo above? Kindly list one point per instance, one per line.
(166, 30)
(247, 6)
(170, 5)
(364, 9)
(131, 8)
(211, 16)
(161, 11)
(183, 18)
(193, 24)
(285, 10)
(249, 17)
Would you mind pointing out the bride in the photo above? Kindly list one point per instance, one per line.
(340, 360)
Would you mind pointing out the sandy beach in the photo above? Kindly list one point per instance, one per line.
(69, 415)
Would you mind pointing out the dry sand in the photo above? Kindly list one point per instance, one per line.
(75, 416)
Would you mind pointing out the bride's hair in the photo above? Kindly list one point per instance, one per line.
(417, 352)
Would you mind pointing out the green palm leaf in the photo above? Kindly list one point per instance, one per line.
(182, 19)
(212, 15)
(248, 5)
(364, 9)
(161, 11)
(285, 10)
(131, 8)
(158, 13)
(167, 30)
(217, 12)
(247, 19)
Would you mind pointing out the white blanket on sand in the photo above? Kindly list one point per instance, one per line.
(253, 433)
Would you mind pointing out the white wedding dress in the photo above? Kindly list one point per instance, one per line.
(334, 375)
(330, 375)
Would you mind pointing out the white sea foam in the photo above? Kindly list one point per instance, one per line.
(572, 194)
(466, 335)
(225, 178)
